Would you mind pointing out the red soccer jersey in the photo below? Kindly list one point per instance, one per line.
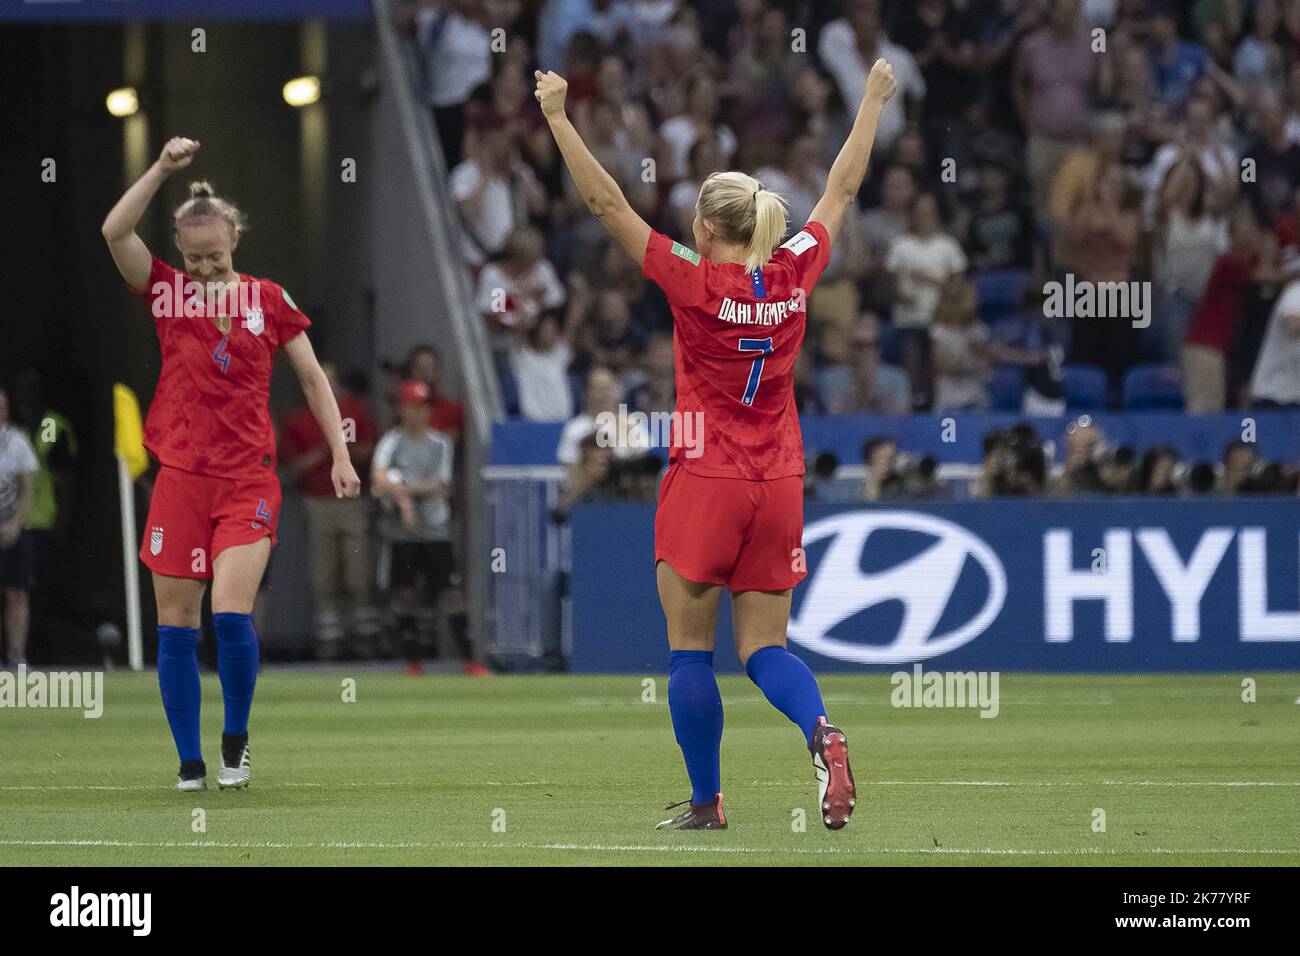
(209, 413)
(735, 339)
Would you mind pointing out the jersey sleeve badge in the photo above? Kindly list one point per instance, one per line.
(800, 242)
(690, 255)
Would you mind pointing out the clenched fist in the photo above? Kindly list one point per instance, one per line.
(177, 153)
(881, 83)
(551, 88)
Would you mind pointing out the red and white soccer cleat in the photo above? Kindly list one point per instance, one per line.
(836, 792)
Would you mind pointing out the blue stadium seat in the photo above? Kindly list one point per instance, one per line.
(509, 388)
(1007, 388)
(1085, 387)
(1153, 386)
(999, 292)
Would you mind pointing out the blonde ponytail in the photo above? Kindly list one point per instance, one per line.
(745, 214)
(769, 228)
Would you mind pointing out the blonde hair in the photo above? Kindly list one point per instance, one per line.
(743, 213)
(204, 201)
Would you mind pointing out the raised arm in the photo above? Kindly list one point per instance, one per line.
(597, 187)
(850, 166)
(129, 251)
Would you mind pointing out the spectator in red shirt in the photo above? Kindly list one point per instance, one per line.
(424, 364)
(1286, 228)
(1215, 321)
(338, 529)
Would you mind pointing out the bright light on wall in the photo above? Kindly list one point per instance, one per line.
(302, 91)
(122, 102)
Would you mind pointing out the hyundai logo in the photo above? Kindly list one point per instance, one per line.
(923, 584)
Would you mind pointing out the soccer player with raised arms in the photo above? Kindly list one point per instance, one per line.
(216, 501)
(731, 506)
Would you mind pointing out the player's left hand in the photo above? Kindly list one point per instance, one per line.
(550, 92)
(346, 482)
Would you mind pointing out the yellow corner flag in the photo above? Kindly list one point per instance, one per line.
(128, 432)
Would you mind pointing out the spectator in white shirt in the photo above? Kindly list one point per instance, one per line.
(455, 56)
(881, 225)
(539, 360)
(610, 21)
(1259, 62)
(650, 21)
(18, 468)
(1189, 238)
(1199, 138)
(920, 262)
(700, 119)
(495, 192)
(1276, 382)
(850, 46)
(557, 22)
(625, 438)
(513, 292)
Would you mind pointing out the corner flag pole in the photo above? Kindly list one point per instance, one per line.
(128, 435)
(134, 638)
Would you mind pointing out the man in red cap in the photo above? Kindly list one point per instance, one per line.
(411, 476)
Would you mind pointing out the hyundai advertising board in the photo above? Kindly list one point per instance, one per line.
(1114, 585)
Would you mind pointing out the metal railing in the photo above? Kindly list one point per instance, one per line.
(430, 225)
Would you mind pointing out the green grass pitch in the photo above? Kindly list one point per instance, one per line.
(576, 770)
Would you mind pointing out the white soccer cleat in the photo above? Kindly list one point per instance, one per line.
(235, 767)
(193, 776)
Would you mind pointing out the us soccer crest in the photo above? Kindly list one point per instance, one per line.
(255, 321)
(155, 541)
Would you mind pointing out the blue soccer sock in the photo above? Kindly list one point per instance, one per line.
(182, 692)
(237, 667)
(788, 685)
(696, 708)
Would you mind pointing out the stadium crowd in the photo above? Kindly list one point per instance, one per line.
(1032, 142)
(1017, 462)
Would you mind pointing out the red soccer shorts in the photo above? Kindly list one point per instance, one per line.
(193, 518)
(743, 534)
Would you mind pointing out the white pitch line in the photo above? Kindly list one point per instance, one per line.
(286, 785)
(354, 785)
(646, 848)
(1201, 783)
(1050, 783)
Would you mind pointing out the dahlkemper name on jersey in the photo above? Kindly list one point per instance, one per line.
(759, 313)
